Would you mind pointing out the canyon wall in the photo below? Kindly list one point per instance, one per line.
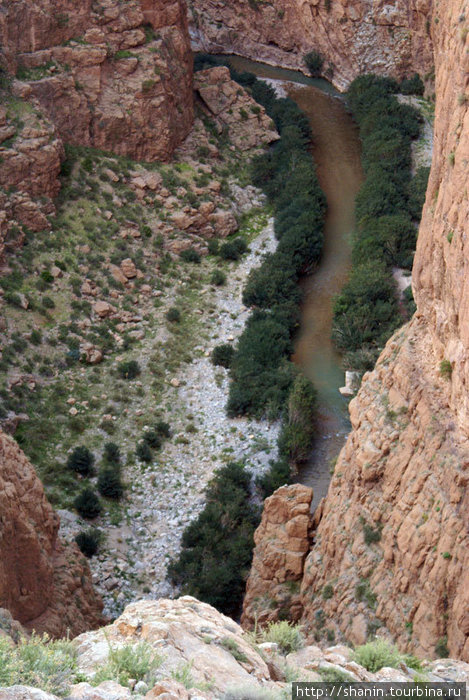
(45, 584)
(391, 549)
(109, 75)
(353, 36)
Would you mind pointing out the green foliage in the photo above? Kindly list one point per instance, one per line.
(152, 438)
(371, 535)
(412, 86)
(278, 475)
(363, 593)
(230, 645)
(112, 453)
(314, 63)
(128, 369)
(190, 255)
(377, 654)
(366, 312)
(297, 432)
(138, 661)
(218, 278)
(163, 429)
(88, 541)
(81, 460)
(109, 482)
(327, 591)
(288, 637)
(87, 503)
(173, 315)
(233, 250)
(334, 675)
(143, 452)
(40, 663)
(223, 532)
(446, 369)
(441, 648)
(222, 355)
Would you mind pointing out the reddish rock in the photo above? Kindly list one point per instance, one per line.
(45, 584)
(128, 269)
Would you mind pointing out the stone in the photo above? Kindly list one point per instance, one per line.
(128, 268)
(103, 309)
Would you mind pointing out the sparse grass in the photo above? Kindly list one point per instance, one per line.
(288, 637)
(138, 661)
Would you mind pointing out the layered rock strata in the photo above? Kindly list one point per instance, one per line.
(109, 75)
(353, 36)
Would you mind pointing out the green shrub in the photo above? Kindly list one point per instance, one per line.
(81, 460)
(412, 86)
(109, 483)
(223, 531)
(376, 655)
(88, 541)
(328, 591)
(88, 504)
(143, 452)
(163, 429)
(371, 535)
(152, 438)
(229, 251)
(334, 675)
(441, 648)
(173, 315)
(213, 246)
(222, 355)
(446, 369)
(278, 475)
(218, 278)
(296, 437)
(112, 453)
(190, 255)
(230, 645)
(314, 63)
(138, 662)
(288, 637)
(128, 369)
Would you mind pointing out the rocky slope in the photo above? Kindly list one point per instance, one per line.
(353, 36)
(391, 548)
(109, 75)
(44, 584)
(199, 653)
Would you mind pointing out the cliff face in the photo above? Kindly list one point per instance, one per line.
(109, 75)
(354, 36)
(43, 583)
(392, 545)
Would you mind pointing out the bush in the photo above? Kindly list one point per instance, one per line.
(223, 531)
(412, 86)
(143, 452)
(213, 246)
(296, 437)
(136, 661)
(376, 654)
(152, 438)
(314, 63)
(441, 648)
(88, 541)
(222, 355)
(88, 504)
(112, 453)
(218, 278)
(230, 251)
(288, 637)
(163, 429)
(173, 315)
(190, 255)
(129, 369)
(278, 475)
(81, 460)
(109, 483)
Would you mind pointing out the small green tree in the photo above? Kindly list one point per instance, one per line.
(314, 63)
(88, 504)
(129, 369)
(109, 483)
(81, 460)
(222, 355)
(88, 541)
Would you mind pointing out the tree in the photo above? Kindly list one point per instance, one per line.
(81, 460)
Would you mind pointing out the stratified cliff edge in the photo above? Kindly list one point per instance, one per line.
(354, 36)
(45, 584)
(109, 75)
(392, 546)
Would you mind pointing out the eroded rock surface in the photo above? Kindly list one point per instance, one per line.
(45, 585)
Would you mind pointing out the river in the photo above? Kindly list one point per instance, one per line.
(337, 153)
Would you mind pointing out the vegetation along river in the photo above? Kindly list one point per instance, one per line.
(336, 151)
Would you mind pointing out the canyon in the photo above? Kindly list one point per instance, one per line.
(388, 548)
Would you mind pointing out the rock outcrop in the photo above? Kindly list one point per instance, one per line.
(282, 542)
(109, 75)
(353, 36)
(43, 583)
(392, 545)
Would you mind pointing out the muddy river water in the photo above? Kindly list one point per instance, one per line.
(336, 151)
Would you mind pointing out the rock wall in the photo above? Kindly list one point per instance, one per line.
(109, 75)
(392, 546)
(354, 36)
(43, 583)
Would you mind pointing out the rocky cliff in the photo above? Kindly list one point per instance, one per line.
(45, 585)
(109, 75)
(353, 36)
(392, 546)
